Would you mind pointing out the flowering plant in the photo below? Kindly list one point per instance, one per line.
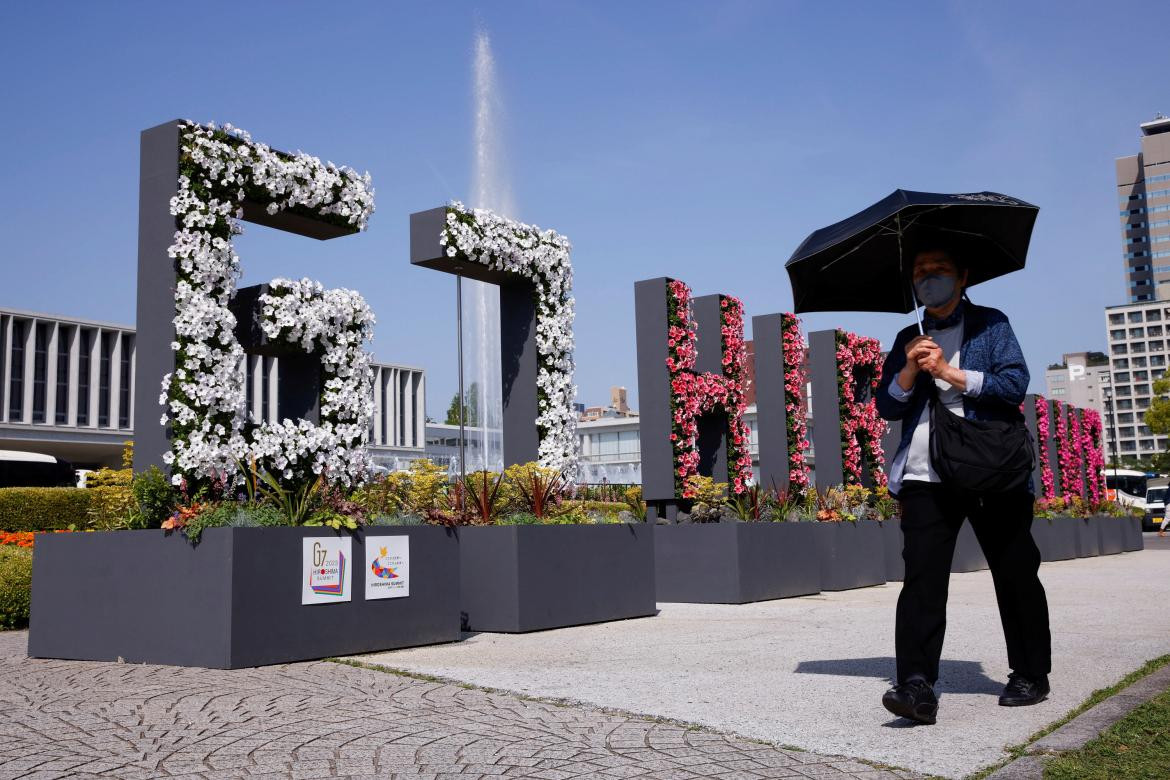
(795, 379)
(858, 365)
(1067, 436)
(693, 393)
(1093, 447)
(541, 256)
(1042, 433)
(219, 169)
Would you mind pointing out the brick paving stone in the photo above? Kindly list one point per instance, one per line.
(75, 719)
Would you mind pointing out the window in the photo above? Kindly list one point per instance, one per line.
(1143, 403)
(1136, 253)
(1117, 334)
(124, 382)
(1139, 362)
(1137, 346)
(1122, 391)
(106, 350)
(61, 414)
(1141, 389)
(1120, 376)
(1116, 319)
(1127, 417)
(1141, 376)
(1147, 445)
(1137, 333)
(40, 371)
(85, 344)
(1120, 349)
(1128, 446)
(1124, 404)
(16, 378)
(1157, 346)
(1125, 431)
(1154, 330)
(1124, 363)
(1157, 361)
(1135, 316)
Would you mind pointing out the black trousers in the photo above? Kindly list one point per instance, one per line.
(931, 518)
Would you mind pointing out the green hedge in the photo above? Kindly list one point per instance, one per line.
(43, 509)
(15, 586)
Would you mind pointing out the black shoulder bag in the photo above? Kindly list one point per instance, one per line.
(979, 456)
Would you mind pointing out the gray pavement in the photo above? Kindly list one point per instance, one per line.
(809, 672)
(70, 719)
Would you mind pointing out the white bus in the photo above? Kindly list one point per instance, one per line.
(1127, 487)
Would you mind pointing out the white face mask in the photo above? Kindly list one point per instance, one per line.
(935, 290)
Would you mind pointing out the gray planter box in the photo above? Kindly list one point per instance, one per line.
(1112, 536)
(968, 554)
(852, 554)
(232, 601)
(735, 563)
(895, 565)
(1133, 537)
(1088, 537)
(1056, 537)
(531, 577)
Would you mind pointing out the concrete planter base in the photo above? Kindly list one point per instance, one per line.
(852, 554)
(1088, 536)
(531, 577)
(735, 563)
(968, 554)
(1133, 536)
(895, 566)
(232, 601)
(1056, 537)
(1112, 535)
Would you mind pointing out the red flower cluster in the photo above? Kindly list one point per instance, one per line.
(23, 538)
(795, 379)
(1042, 429)
(1094, 454)
(861, 426)
(693, 394)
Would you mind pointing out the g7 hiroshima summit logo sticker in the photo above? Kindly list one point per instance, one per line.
(387, 567)
(325, 570)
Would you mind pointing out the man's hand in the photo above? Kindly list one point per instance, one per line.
(914, 352)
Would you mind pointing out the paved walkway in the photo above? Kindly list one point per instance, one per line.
(69, 719)
(810, 672)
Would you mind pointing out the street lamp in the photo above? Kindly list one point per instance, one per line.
(1108, 393)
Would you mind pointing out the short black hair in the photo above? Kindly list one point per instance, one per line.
(955, 250)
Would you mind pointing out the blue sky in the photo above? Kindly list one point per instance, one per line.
(693, 139)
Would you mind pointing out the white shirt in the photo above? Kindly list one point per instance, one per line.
(913, 463)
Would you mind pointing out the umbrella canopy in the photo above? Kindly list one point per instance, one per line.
(862, 263)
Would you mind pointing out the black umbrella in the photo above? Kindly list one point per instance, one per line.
(861, 263)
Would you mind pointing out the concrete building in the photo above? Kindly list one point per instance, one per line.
(1138, 352)
(1079, 379)
(618, 407)
(1143, 191)
(68, 390)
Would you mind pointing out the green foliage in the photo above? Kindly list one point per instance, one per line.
(470, 404)
(109, 478)
(395, 520)
(232, 515)
(128, 454)
(481, 491)
(15, 586)
(155, 496)
(296, 502)
(43, 508)
(709, 498)
(520, 518)
(112, 507)
(632, 496)
(539, 490)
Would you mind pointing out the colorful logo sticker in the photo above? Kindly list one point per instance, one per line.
(325, 570)
(387, 567)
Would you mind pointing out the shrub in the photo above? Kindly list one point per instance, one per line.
(108, 477)
(43, 509)
(15, 586)
(396, 520)
(111, 507)
(155, 496)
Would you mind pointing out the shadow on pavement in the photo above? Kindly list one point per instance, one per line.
(953, 676)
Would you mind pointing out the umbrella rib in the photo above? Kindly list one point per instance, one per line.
(883, 230)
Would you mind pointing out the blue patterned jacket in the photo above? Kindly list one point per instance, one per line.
(989, 345)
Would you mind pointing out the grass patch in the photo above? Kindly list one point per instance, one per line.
(1095, 698)
(1137, 747)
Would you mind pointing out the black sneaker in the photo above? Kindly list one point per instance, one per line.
(1022, 691)
(914, 700)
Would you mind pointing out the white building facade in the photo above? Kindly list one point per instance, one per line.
(68, 391)
(1138, 355)
(1079, 382)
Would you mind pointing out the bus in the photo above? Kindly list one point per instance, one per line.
(32, 469)
(1127, 487)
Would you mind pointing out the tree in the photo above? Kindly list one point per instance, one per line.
(1157, 418)
(470, 404)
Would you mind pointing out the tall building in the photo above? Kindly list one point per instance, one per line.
(1143, 191)
(67, 390)
(1138, 352)
(1079, 379)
